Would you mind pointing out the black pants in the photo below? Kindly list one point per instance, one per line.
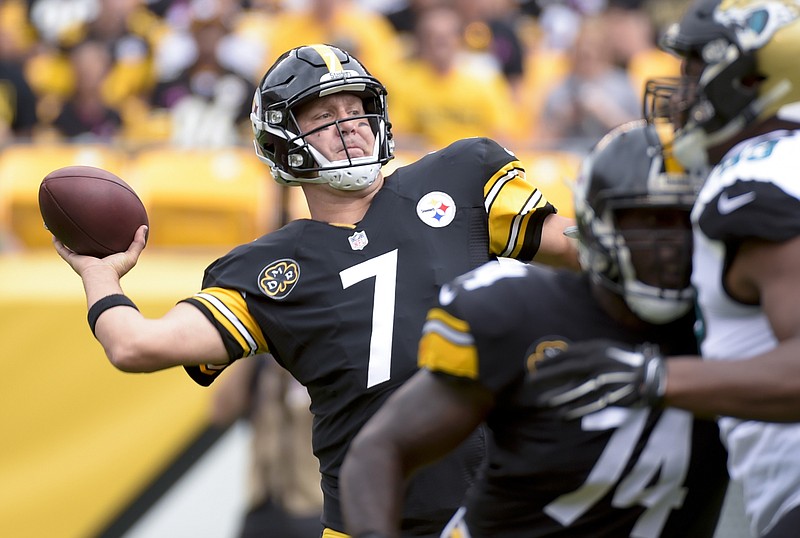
(788, 526)
(271, 521)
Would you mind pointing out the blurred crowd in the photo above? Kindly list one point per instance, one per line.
(530, 73)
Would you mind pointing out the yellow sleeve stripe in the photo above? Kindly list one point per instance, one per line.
(212, 369)
(510, 201)
(230, 310)
(438, 314)
(496, 182)
(514, 239)
(447, 346)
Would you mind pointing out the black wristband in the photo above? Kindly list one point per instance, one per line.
(109, 301)
(370, 534)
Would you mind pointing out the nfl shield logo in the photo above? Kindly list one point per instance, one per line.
(358, 240)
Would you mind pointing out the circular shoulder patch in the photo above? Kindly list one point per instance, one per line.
(277, 280)
(436, 209)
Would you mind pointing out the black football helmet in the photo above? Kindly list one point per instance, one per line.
(650, 268)
(301, 75)
(745, 53)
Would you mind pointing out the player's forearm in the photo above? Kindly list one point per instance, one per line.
(183, 336)
(555, 248)
(100, 281)
(372, 485)
(765, 388)
(113, 326)
(122, 333)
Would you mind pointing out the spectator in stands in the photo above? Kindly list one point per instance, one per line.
(489, 30)
(461, 100)
(343, 23)
(595, 96)
(17, 100)
(284, 496)
(205, 83)
(404, 18)
(85, 114)
(560, 22)
(634, 43)
(404, 21)
(129, 31)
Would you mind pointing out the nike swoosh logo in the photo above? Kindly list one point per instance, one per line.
(727, 205)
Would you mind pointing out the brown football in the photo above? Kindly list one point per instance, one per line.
(90, 210)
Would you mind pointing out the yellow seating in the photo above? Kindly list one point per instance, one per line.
(204, 197)
(22, 168)
(544, 70)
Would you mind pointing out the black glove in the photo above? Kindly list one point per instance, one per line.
(590, 376)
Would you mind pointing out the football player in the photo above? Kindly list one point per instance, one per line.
(340, 299)
(621, 472)
(742, 115)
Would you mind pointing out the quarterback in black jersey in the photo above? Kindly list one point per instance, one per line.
(619, 472)
(339, 300)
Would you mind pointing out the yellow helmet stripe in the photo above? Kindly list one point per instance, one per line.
(329, 57)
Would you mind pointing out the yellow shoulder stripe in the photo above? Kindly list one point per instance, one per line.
(448, 319)
(495, 182)
(510, 201)
(230, 310)
(447, 346)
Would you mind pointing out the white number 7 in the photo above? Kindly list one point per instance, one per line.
(384, 269)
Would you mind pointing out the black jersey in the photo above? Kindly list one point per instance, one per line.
(342, 308)
(615, 473)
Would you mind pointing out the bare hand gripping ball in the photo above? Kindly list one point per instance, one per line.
(92, 211)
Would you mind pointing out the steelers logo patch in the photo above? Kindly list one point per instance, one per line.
(277, 280)
(436, 209)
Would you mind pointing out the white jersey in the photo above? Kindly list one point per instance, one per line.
(753, 193)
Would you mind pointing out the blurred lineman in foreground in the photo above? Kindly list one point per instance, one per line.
(621, 472)
(737, 110)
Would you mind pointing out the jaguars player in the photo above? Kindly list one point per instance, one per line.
(621, 472)
(742, 117)
(340, 299)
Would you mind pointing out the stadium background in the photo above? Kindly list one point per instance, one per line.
(90, 451)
